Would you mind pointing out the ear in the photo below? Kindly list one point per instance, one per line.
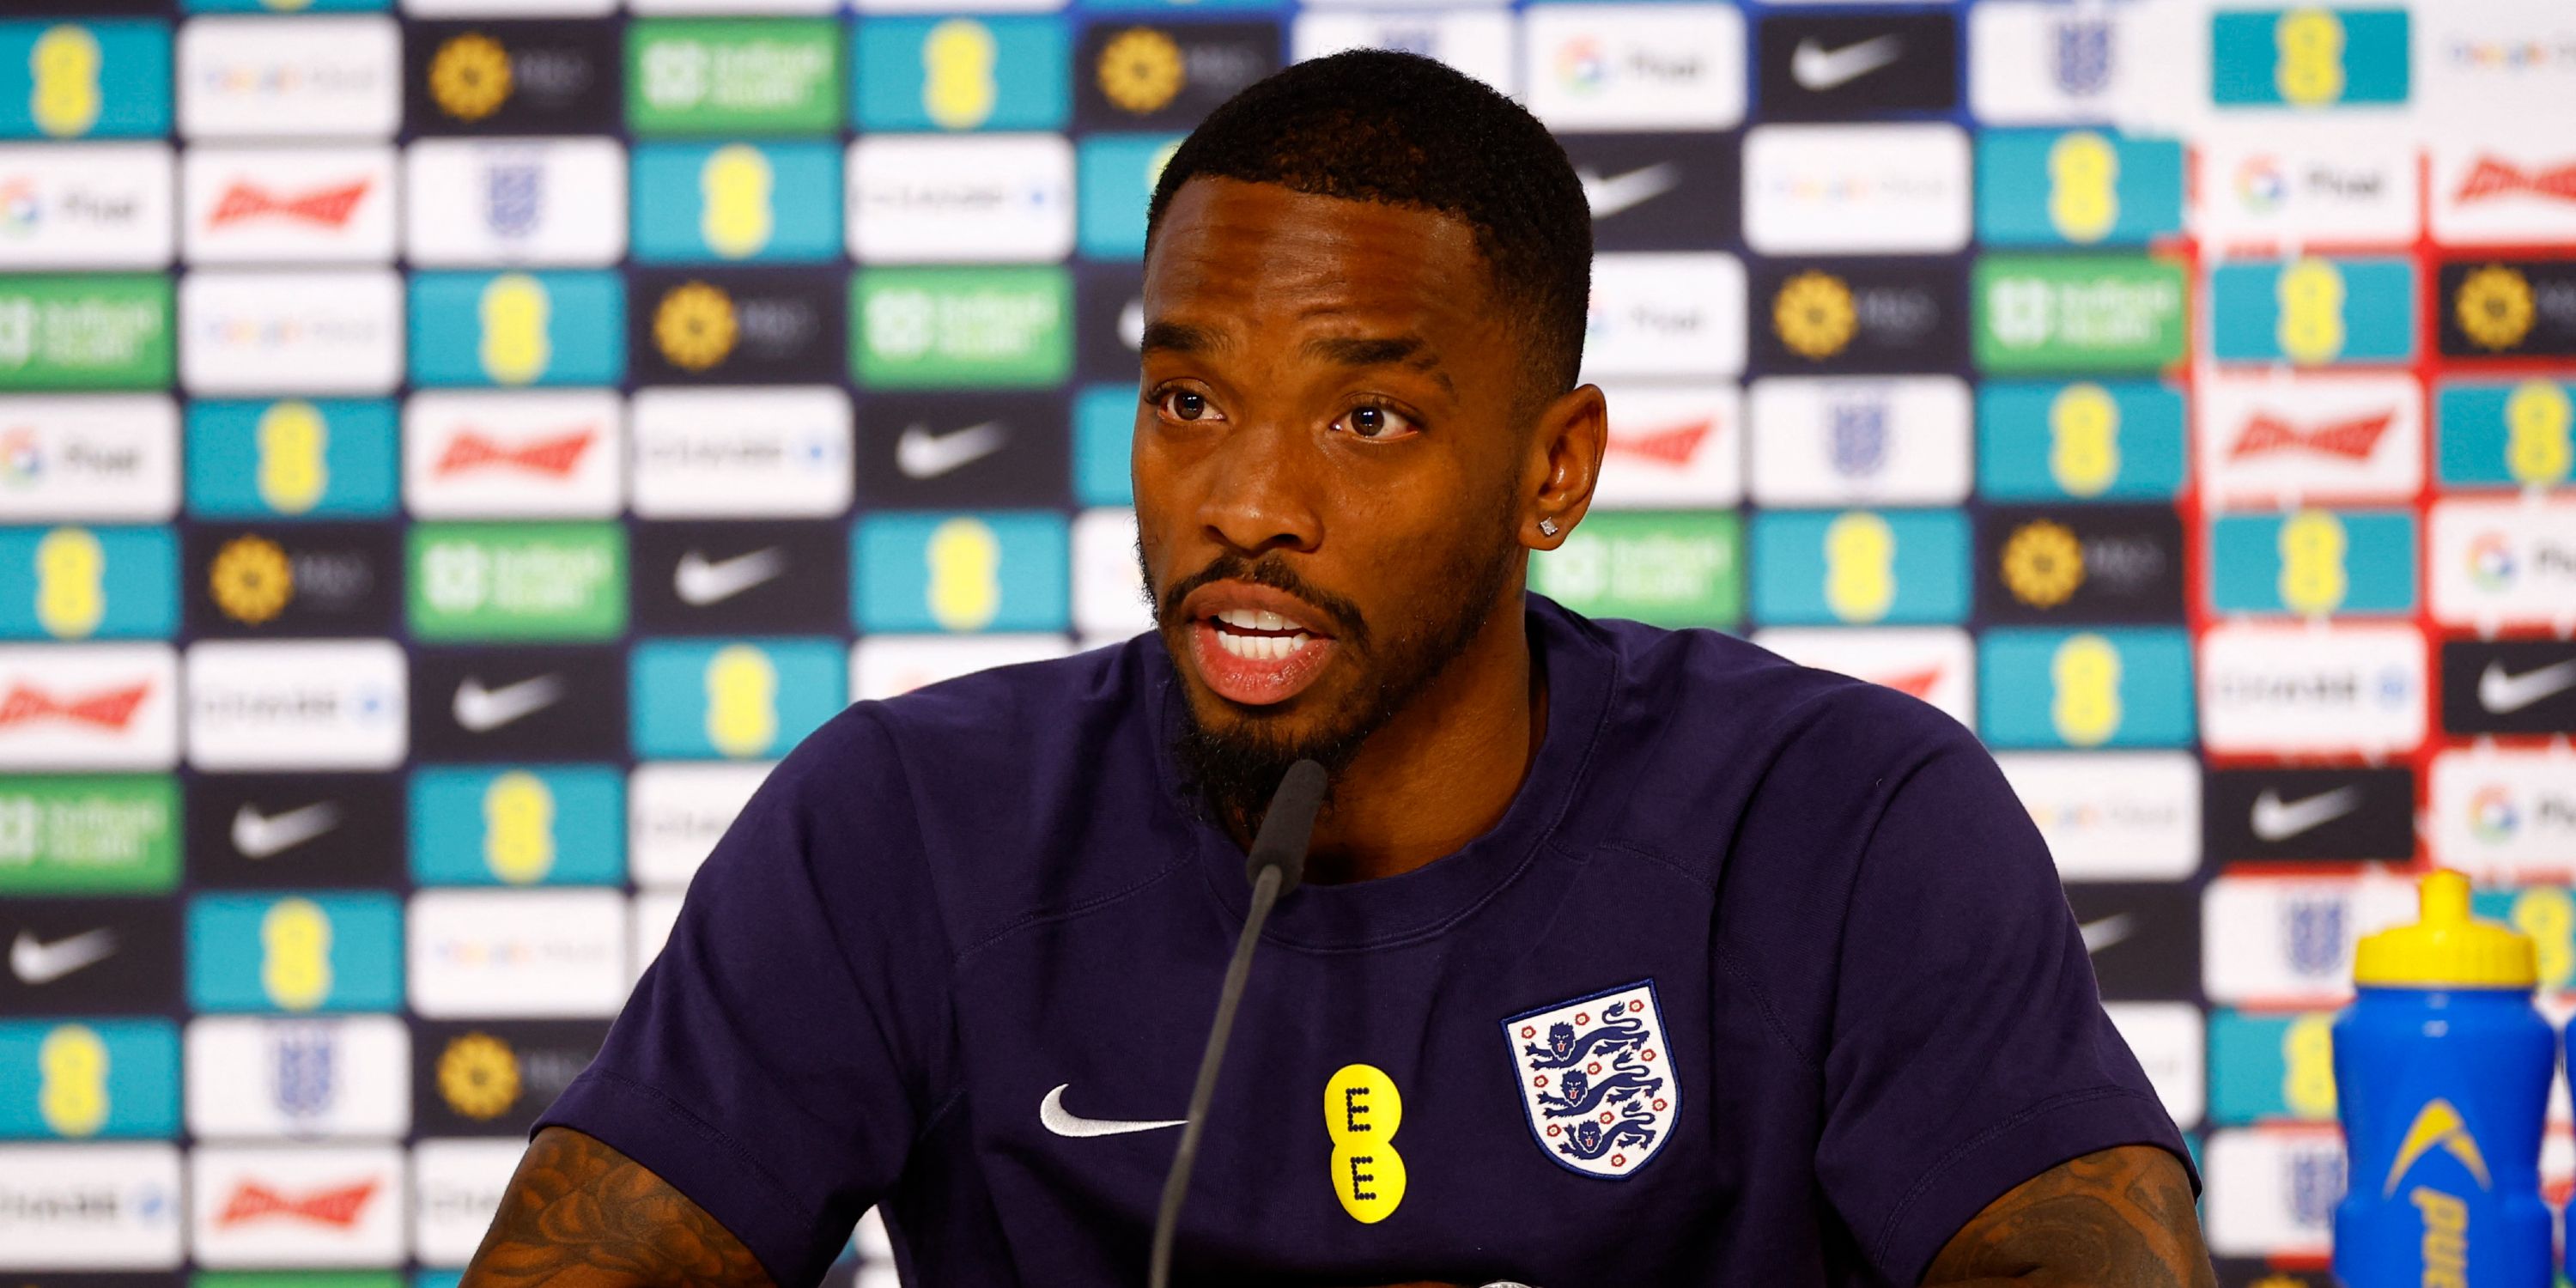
(1564, 461)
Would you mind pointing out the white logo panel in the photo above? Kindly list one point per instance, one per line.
(267, 1206)
(287, 205)
(886, 666)
(85, 205)
(2287, 942)
(1856, 189)
(1477, 42)
(2112, 815)
(2288, 690)
(1665, 314)
(297, 704)
(1858, 440)
(89, 457)
(302, 1078)
(532, 454)
(965, 199)
(477, 954)
(1634, 67)
(90, 1207)
(2503, 563)
(2505, 816)
(253, 333)
(1596, 1080)
(288, 78)
(88, 706)
(2282, 183)
(676, 811)
(2269, 439)
(514, 201)
(456, 1189)
(741, 453)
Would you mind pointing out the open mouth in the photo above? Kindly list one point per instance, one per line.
(1254, 645)
(1259, 636)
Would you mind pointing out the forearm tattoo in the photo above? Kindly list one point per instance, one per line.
(2120, 1218)
(578, 1214)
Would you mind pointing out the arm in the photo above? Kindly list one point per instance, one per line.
(2119, 1218)
(583, 1215)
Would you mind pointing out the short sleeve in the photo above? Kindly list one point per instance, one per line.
(1969, 1048)
(771, 1063)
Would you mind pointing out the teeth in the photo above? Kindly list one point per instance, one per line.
(1261, 648)
(1255, 620)
(1273, 622)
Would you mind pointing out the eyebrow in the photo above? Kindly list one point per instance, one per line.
(1381, 351)
(1179, 337)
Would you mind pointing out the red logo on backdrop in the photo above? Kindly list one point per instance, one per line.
(2493, 178)
(1913, 684)
(252, 1201)
(2351, 438)
(1674, 446)
(329, 207)
(110, 709)
(474, 450)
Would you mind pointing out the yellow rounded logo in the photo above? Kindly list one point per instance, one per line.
(957, 87)
(295, 954)
(2307, 1066)
(2084, 439)
(695, 326)
(1860, 567)
(2083, 186)
(2494, 307)
(1814, 314)
(2043, 563)
(519, 827)
(1362, 1111)
(516, 310)
(72, 1095)
(469, 76)
(965, 561)
(2537, 419)
(2309, 69)
(292, 469)
(478, 1074)
(2310, 296)
(1141, 69)
(64, 63)
(2312, 544)
(733, 189)
(71, 590)
(251, 579)
(2085, 678)
(742, 700)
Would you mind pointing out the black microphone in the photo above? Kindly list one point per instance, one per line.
(1278, 860)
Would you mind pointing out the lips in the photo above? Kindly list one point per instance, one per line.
(1254, 645)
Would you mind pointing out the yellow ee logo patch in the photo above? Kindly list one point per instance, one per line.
(515, 310)
(72, 1062)
(957, 87)
(2084, 439)
(1860, 567)
(64, 66)
(742, 700)
(519, 827)
(1362, 1110)
(292, 469)
(71, 568)
(734, 186)
(295, 956)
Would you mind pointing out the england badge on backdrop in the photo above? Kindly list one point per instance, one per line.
(1596, 1079)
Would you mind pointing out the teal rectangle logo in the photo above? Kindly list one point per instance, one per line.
(2313, 563)
(319, 458)
(1824, 568)
(559, 327)
(2313, 312)
(2112, 687)
(921, 74)
(2076, 188)
(2271, 1068)
(2521, 434)
(76, 583)
(2307, 57)
(1115, 174)
(736, 699)
(105, 79)
(539, 825)
(2107, 440)
(961, 572)
(776, 202)
(89, 1079)
(1104, 435)
(297, 953)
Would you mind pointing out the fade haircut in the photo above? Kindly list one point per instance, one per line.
(1377, 125)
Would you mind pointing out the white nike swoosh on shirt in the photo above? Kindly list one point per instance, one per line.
(1611, 194)
(1053, 1115)
(34, 961)
(1815, 67)
(700, 581)
(921, 454)
(2279, 820)
(2503, 693)
(482, 710)
(258, 836)
(2110, 930)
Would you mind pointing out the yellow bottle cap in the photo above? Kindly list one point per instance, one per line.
(2448, 948)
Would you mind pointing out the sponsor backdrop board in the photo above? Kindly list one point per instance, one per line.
(449, 449)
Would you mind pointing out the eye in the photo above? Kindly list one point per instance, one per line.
(1376, 422)
(1188, 406)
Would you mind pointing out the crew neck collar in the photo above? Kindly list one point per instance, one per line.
(1579, 670)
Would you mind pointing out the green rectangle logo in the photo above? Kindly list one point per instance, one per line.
(961, 327)
(517, 581)
(2039, 313)
(89, 834)
(91, 331)
(1682, 568)
(733, 76)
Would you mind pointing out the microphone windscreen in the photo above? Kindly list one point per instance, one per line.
(1288, 825)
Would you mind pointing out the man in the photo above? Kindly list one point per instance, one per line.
(1629, 957)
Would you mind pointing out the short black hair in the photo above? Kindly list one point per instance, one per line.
(1377, 125)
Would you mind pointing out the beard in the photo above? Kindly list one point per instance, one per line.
(1231, 767)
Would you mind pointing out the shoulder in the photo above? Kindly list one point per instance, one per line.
(1714, 740)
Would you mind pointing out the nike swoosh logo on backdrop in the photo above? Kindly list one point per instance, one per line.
(2503, 693)
(2110, 930)
(1612, 194)
(921, 454)
(700, 581)
(1818, 68)
(258, 836)
(2279, 820)
(1053, 1115)
(34, 961)
(483, 710)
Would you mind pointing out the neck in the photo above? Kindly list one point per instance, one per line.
(1443, 771)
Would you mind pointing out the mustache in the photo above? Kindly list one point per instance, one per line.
(1272, 571)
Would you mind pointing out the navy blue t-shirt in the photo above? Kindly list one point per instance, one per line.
(1763, 977)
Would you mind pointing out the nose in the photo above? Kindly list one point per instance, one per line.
(1260, 488)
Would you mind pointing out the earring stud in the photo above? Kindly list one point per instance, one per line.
(1547, 527)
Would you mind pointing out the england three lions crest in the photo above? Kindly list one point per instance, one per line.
(1596, 1079)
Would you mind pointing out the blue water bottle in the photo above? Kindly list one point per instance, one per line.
(2442, 1071)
